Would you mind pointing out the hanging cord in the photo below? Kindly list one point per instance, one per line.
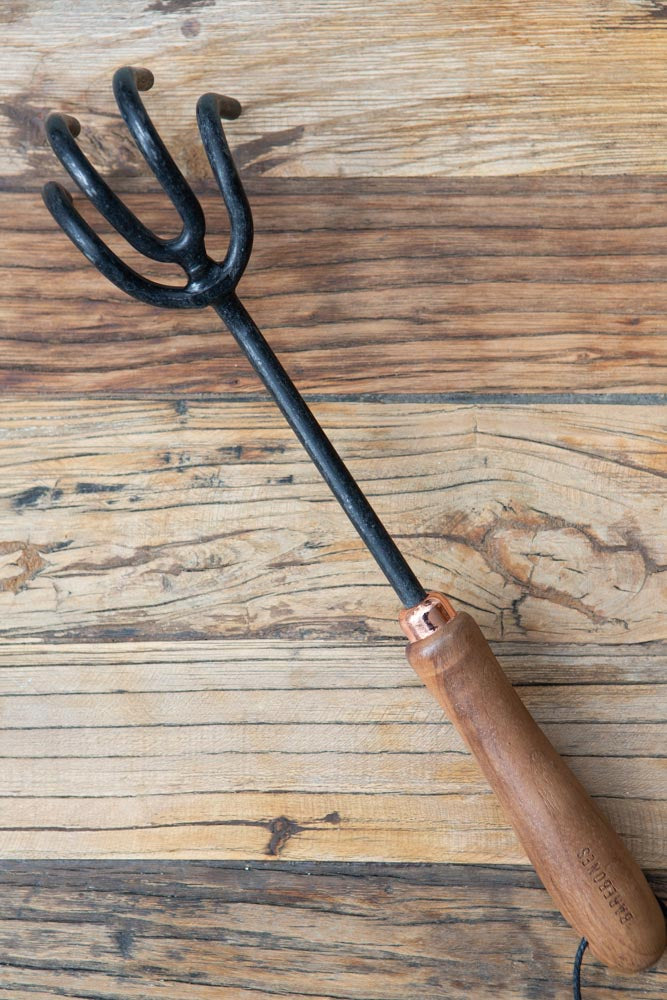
(576, 970)
(583, 945)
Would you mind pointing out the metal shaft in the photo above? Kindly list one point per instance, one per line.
(320, 449)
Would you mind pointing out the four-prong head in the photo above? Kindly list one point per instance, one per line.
(208, 280)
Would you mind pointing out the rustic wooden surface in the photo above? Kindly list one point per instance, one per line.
(364, 285)
(201, 931)
(303, 750)
(157, 519)
(101, 544)
(460, 256)
(332, 88)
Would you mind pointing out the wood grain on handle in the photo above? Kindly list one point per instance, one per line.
(582, 862)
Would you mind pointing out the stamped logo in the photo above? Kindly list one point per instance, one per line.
(596, 872)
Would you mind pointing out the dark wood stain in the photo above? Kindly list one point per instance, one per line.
(281, 829)
(253, 158)
(124, 939)
(177, 6)
(409, 286)
(191, 28)
(28, 498)
(365, 932)
(98, 488)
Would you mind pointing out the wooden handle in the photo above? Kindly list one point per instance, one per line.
(582, 862)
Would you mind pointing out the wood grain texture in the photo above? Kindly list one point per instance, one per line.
(194, 524)
(363, 932)
(156, 519)
(342, 88)
(412, 286)
(583, 863)
(300, 750)
(355, 931)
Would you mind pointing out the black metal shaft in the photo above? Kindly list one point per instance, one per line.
(320, 449)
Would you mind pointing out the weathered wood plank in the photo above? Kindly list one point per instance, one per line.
(367, 286)
(203, 523)
(152, 519)
(326, 931)
(381, 88)
(68, 666)
(242, 750)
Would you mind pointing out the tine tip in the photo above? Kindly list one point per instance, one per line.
(56, 119)
(55, 195)
(73, 125)
(227, 107)
(144, 79)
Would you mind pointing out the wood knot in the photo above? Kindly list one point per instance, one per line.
(281, 829)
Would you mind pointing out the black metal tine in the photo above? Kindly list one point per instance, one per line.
(61, 131)
(209, 282)
(210, 108)
(59, 202)
(207, 279)
(127, 82)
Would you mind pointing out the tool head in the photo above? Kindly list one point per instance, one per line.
(208, 281)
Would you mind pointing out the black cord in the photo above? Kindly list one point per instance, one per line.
(576, 969)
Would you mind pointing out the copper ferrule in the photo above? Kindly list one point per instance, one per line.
(427, 616)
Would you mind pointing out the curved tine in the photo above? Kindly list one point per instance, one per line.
(210, 108)
(61, 131)
(60, 205)
(127, 82)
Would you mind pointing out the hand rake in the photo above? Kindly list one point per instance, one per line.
(582, 862)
